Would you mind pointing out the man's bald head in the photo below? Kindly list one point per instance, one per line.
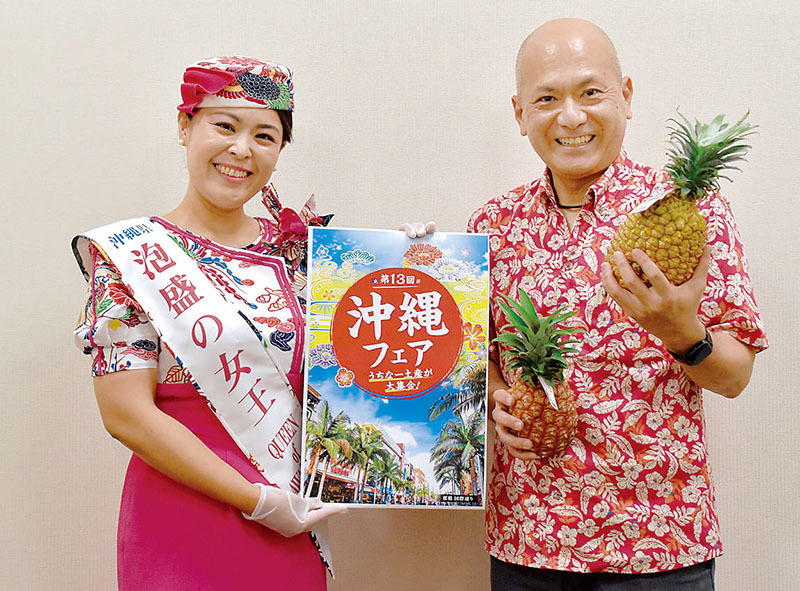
(572, 102)
(565, 33)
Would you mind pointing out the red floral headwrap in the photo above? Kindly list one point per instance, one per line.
(237, 82)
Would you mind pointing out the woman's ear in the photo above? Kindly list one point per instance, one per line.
(183, 124)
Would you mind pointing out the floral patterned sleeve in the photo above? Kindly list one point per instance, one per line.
(113, 327)
(728, 303)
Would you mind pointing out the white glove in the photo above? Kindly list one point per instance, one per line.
(418, 229)
(290, 514)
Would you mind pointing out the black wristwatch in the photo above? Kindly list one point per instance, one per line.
(697, 352)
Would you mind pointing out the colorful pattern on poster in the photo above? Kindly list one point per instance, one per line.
(398, 334)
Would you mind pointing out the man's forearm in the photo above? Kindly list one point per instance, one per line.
(496, 382)
(727, 370)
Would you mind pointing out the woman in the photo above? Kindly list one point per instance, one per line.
(209, 497)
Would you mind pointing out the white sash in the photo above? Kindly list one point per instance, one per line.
(233, 368)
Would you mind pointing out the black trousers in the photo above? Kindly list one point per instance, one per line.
(513, 577)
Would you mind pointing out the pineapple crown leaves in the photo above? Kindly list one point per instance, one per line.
(535, 346)
(699, 152)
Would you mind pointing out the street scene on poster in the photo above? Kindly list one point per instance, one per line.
(395, 401)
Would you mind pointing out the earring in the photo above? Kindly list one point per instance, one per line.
(181, 141)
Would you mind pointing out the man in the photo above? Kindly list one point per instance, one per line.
(630, 503)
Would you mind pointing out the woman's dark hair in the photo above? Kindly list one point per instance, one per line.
(286, 124)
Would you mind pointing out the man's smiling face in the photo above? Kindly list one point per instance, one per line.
(572, 102)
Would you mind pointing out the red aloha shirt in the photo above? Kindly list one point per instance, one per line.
(633, 492)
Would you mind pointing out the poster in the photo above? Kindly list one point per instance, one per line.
(396, 362)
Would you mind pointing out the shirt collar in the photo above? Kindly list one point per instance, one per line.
(599, 193)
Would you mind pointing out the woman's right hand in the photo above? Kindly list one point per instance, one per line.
(290, 514)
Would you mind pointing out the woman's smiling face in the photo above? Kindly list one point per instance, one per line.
(231, 153)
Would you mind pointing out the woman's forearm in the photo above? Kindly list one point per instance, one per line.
(130, 415)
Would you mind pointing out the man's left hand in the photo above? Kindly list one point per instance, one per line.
(418, 229)
(664, 310)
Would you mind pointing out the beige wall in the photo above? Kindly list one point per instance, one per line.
(403, 113)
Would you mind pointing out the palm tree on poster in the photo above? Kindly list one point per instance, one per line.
(468, 394)
(378, 453)
(387, 472)
(406, 487)
(326, 437)
(449, 472)
(372, 479)
(367, 444)
(459, 450)
(424, 493)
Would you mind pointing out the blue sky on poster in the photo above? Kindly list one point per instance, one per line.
(406, 420)
(384, 245)
(365, 409)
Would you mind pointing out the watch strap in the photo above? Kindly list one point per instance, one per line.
(697, 352)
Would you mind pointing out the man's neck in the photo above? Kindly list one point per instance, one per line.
(572, 190)
(570, 194)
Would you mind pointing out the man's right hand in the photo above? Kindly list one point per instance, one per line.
(505, 425)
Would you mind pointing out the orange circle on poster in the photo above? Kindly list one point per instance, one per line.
(399, 331)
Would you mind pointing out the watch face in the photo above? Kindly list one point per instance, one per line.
(697, 353)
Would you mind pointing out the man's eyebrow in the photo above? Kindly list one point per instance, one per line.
(585, 81)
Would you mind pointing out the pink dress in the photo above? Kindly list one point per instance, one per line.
(171, 537)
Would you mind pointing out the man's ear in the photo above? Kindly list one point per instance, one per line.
(518, 113)
(627, 94)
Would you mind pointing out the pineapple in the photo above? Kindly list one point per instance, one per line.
(535, 351)
(669, 229)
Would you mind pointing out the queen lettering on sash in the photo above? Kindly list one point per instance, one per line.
(194, 322)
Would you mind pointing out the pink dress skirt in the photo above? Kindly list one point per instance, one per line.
(171, 537)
